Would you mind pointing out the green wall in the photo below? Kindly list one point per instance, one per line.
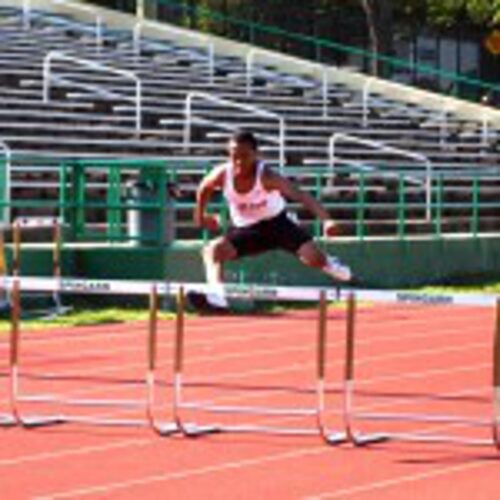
(377, 263)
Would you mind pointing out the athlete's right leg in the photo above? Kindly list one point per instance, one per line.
(215, 254)
(238, 242)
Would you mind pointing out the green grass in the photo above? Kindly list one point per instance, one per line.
(486, 288)
(86, 317)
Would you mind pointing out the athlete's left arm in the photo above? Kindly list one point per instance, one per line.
(272, 181)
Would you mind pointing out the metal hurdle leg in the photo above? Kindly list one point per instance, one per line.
(496, 379)
(193, 430)
(160, 428)
(359, 439)
(187, 429)
(355, 437)
(332, 438)
(6, 420)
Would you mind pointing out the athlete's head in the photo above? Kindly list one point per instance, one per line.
(243, 150)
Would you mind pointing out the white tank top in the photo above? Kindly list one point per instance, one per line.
(254, 206)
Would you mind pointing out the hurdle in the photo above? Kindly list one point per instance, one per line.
(154, 290)
(17, 398)
(359, 438)
(318, 412)
(33, 223)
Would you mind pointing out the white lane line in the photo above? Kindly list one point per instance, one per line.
(81, 450)
(146, 480)
(376, 486)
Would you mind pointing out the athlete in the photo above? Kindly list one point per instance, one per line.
(256, 198)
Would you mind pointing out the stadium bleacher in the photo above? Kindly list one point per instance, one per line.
(93, 113)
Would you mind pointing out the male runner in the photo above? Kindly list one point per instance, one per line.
(256, 198)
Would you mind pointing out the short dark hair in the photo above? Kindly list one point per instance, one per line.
(245, 137)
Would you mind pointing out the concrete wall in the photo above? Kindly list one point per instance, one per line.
(378, 263)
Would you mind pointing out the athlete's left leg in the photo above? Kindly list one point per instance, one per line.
(311, 255)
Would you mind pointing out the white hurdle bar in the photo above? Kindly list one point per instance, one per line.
(359, 438)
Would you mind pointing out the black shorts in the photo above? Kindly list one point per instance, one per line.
(278, 233)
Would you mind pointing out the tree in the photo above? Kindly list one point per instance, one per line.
(449, 12)
(379, 19)
(380, 15)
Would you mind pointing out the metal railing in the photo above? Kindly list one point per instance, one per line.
(255, 110)
(203, 40)
(48, 78)
(366, 98)
(253, 54)
(130, 201)
(379, 146)
(72, 6)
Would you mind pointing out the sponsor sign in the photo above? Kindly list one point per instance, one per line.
(424, 298)
(252, 292)
(86, 286)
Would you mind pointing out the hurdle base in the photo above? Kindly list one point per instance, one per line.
(7, 421)
(194, 430)
(369, 439)
(166, 429)
(336, 438)
(33, 422)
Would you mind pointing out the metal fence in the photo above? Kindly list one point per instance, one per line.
(141, 202)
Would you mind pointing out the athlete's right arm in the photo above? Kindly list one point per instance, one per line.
(211, 182)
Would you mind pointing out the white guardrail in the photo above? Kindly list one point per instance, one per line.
(420, 158)
(49, 77)
(71, 6)
(253, 54)
(203, 40)
(188, 117)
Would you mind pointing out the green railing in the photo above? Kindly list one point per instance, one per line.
(151, 202)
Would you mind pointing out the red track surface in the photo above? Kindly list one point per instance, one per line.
(413, 359)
